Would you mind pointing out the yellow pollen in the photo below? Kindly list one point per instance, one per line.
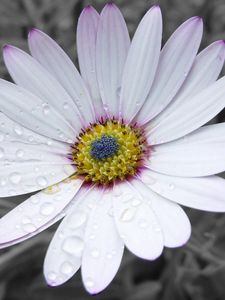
(123, 163)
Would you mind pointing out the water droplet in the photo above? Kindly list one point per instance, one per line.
(95, 253)
(109, 255)
(127, 215)
(3, 182)
(51, 276)
(47, 209)
(67, 268)
(136, 202)
(19, 153)
(143, 224)
(29, 227)
(15, 178)
(26, 220)
(149, 180)
(41, 181)
(49, 142)
(89, 283)
(46, 109)
(30, 138)
(2, 152)
(73, 245)
(18, 130)
(171, 186)
(65, 105)
(77, 219)
(2, 137)
(68, 169)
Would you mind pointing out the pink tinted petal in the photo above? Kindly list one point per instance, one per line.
(206, 193)
(86, 49)
(56, 61)
(19, 105)
(111, 52)
(64, 254)
(34, 213)
(194, 112)
(205, 70)
(141, 63)
(175, 61)
(31, 75)
(176, 227)
(103, 247)
(200, 153)
(136, 222)
(25, 177)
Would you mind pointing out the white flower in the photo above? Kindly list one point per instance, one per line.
(116, 150)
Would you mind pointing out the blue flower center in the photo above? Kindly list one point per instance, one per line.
(104, 147)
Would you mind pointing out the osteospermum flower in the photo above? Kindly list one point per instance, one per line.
(115, 150)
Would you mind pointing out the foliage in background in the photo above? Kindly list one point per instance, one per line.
(194, 272)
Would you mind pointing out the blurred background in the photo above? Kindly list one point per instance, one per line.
(194, 272)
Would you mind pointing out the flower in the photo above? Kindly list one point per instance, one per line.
(116, 151)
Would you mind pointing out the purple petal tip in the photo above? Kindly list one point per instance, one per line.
(7, 48)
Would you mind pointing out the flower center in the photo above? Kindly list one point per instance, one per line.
(109, 151)
(104, 147)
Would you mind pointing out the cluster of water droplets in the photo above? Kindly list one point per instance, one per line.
(22, 152)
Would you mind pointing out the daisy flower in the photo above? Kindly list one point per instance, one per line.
(116, 150)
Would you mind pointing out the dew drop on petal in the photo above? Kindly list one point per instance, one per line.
(29, 227)
(65, 105)
(19, 153)
(15, 178)
(41, 181)
(89, 283)
(18, 130)
(2, 137)
(2, 152)
(47, 209)
(77, 219)
(51, 276)
(136, 202)
(127, 215)
(171, 186)
(73, 245)
(46, 109)
(95, 253)
(67, 268)
(143, 224)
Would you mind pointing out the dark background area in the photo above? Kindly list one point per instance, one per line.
(194, 272)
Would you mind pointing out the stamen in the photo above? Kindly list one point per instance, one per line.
(104, 147)
(108, 151)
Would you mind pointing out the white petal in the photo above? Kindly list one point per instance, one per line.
(206, 193)
(28, 218)
(103, 247)
(175, 62)
(31, 112)
(141, 63)
(63, 257)
(19, 178)
(12, 132)
(111, 52)
(86, 49)
(28, 161)
(204, 72)
(136, 221)
(27, 72)
(192, 114)
(201, 153)
(174, 222)
(55, 60)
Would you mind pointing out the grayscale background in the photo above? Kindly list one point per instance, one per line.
(194, 272)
